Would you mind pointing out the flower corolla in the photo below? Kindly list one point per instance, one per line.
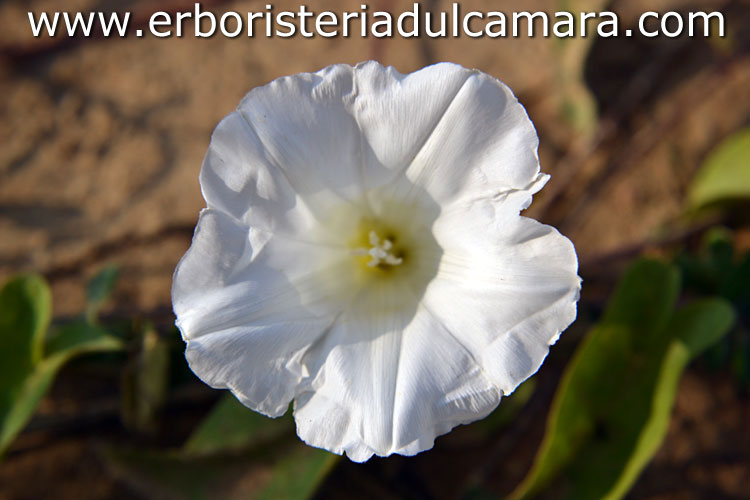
(362, 254)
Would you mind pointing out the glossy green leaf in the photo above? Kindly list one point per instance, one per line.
(231, 426)
(725, 175)
(613, 404)
(27, 365)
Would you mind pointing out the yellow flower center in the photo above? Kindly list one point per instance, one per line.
(389, 257)
(380, 253)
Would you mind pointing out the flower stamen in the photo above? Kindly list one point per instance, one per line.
(379, 252)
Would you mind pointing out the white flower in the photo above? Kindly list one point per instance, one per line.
(362, 254)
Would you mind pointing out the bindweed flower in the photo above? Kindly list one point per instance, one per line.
(362, 254)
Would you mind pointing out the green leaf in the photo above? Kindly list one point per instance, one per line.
(644, 300)
(168, 475)
(507, 411)
(639, 308)
(27, 366)
(80, 337)
(693, 329)
(613, 404)
(285, 470)
(21, 406)
(100, 288)
(298, 475)
(578, 106)
(145, 382)
(725, 175)
(25, 310)
(231, 426)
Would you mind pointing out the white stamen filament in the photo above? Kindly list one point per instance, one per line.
(379, 252)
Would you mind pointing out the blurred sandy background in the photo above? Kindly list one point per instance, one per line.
(101, 142)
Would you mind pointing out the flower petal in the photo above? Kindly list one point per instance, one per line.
(306, 130)
(259, 363)
(234, 275)
(348, 131)
(484, 144)
(389, 384)
(290, 155)
(397, 113)
(238, 178)
(249, 307)
(506, 288)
